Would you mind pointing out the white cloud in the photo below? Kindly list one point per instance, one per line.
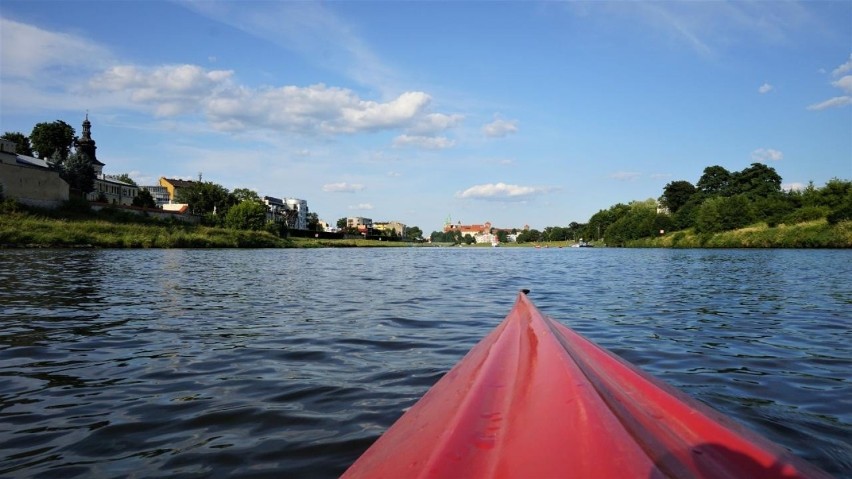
(502, 191)
(32, 53)
(846, 67)
(500, 128)
(625, 175)
(427, 142)
(765, 88)
(394, 174)
(171, 89)
(361, 206)
(837, 101)
(793, 186)
(435, 123)
(342, 187)
(766, 154)
(844, 83)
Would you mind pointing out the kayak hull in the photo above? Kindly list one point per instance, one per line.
(536, 399)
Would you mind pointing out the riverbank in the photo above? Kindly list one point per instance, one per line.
(812, 234)
(26, 229)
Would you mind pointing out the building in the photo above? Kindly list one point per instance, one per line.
(363, 225)
(394, 226)
(173, 185)
(472, 230)
(110, 190)
(29, 180)
(159, 193)
(290, 210)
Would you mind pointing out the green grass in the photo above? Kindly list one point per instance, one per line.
(811, 234)
(21, 229)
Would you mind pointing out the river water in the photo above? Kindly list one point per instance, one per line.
(289, 363)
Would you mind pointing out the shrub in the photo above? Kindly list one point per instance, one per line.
(805, 214)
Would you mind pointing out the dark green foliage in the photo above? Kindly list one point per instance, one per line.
(843, 212)
(77, 170)
(52, 140)
(144, 199)
(676, 194)
(529, 236)
(341, 224)
(204, 198)
(244, 194)
(313, 222)
(715, 181)
(756, 181)
(22, 141)
(413, 233)
(807, 213)
(124, 177)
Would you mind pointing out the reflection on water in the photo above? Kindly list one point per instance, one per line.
(290, 363)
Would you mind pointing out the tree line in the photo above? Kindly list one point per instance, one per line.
(722, 200)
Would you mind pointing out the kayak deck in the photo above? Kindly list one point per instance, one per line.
(535, 399)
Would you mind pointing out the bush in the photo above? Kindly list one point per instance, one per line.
(805, 214)
(841, 213)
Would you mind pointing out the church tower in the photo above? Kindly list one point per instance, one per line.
(85, 144)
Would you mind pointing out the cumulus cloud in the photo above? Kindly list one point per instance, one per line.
(190, 89)
(765, 88)
(502, 191)
(500, 128)
(433, 123)
(793, 186)
(766, 154)
(171, 89)
(842, 82)
(427, 142)
(342, 187)
(625, 175)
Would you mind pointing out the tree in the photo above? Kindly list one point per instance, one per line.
(22, 141)
(124, 177)
(715, 181)
(244, 194)
(144, 199)
(756, 181)
(413, 233)
(52, 139)
(676, 194)
(204, 197)
(246, 215)
(724, 213)
(77, 170)
(313, 222)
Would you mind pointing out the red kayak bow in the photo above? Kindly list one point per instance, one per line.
(534, 399)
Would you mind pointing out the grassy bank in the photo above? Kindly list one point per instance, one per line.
(813, 234)
(29, 231)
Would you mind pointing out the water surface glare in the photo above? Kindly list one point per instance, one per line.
(290, 363)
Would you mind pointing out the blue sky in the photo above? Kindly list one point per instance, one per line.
(517, 113)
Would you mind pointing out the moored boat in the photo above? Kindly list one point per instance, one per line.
(536, 399)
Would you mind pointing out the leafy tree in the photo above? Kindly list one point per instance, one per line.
(676, 194)
(204, 197)
(341, 224)
(723, 214)
(124, 177)
(715, 181)
(77, 170)
(244, 194)
(144, 199)
(502, 236)
(413, 233)
(529, 236)
(22, 141)
(313, 222)
(756, 181)
(52, 140)
(246, 215)
(601, 220)
(835, 193)
(468, 239)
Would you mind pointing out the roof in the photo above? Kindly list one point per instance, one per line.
(179, 183)
(34, 162)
